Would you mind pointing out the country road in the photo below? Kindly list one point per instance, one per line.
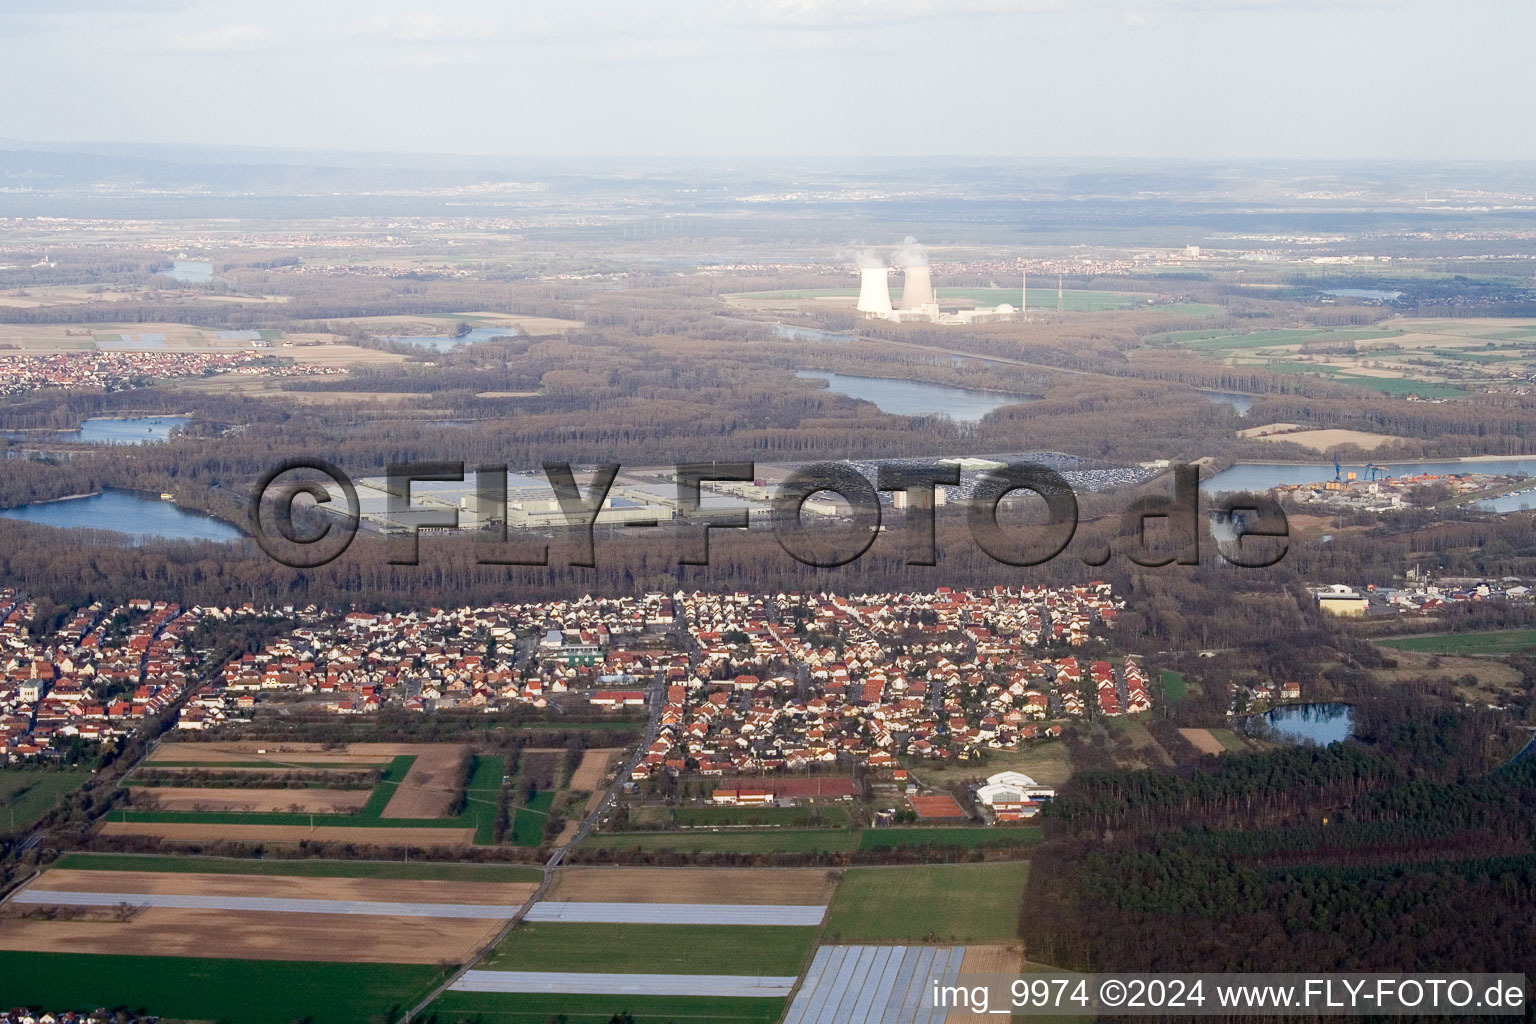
(657, 696)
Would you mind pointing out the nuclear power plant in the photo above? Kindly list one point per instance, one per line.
(874, 291)
(919, 303)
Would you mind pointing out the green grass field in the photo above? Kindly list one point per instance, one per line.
(1175, 688)
(229, 991)
(1005, 835)
(1399, 387)
(1229, 739)
(654, 949)
(1501, 641)
(771, 841)
(527, 827)
(26, 794)
(934, 903)
(495, 1008)
(1074, 300)
(482, 797)
(827, 814)
(419, 870)
(1048, 763)
(1225, 342)
(216, 765)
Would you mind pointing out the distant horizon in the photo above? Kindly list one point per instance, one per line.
(1204, 80)
(106, 147)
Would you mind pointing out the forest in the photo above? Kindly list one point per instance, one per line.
(1411, 850)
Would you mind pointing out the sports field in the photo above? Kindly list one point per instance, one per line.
(233, 991)
(931, 903)
(1502, 641)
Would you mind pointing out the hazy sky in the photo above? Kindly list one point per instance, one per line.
(1220, 79)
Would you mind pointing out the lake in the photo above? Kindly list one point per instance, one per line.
(1517, 502)
(914, 398)
(190, 271)
(135, 515)
(1321, 724)
(132, 430)
(444, 341)
(1261, 476)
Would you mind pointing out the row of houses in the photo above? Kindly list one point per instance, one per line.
(360, 662)
(96, 678)
(787, 681)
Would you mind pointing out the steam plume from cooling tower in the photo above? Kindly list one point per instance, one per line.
(911, 254)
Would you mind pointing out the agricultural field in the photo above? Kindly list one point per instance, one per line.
(1133, 746)
(802, 815)
(1503, 641)
(768, 841)
(653, 948)
(203, 989)
(418, 786)
(691, 946)
(259, 916)
(973, 838)
(28, 794)
(808, 886)
(540, 1008)
(1175, 686)
(1231, 741)
(422, 870)
(931, 903)
(1479, 678)
(1326, 440)
(1400, 356)
(1203, 741)
(594, 768)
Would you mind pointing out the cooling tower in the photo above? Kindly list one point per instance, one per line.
(874, 290)
(917, 289)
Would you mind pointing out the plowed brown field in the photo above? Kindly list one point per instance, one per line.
(160, 931)
(807, 886)
(201, 832)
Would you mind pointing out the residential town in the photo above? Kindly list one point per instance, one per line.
(739, 683)
(102, 674)
(121, 371)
